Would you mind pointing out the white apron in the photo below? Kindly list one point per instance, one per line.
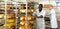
(53, 19)
(40, 21)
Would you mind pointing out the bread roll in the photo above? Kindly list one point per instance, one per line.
(22, 27)
(1, 15)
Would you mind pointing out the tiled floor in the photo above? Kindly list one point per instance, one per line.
(58, 26)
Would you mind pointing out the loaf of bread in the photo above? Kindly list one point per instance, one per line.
(1, 15)
(22, 27)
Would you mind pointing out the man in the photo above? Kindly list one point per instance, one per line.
(53, 18)
(40, 14)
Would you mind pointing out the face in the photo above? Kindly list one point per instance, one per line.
(50, 7)
(40, 7)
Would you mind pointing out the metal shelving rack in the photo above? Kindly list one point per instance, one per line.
(2, 14)
(26, 12)
(10, 15)
(12, 12)
(23, 14)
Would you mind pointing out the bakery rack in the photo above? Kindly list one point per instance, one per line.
(26, 18)
(16, 15)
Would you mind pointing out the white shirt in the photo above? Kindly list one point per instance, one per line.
(43, 13)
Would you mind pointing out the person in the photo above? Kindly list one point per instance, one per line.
(40, 14)
(53, 18)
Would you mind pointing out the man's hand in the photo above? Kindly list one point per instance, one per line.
(35, 15)
(39, 16)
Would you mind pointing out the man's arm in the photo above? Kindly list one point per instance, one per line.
(39, 16)
(43, 15)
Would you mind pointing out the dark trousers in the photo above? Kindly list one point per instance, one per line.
(54, 28)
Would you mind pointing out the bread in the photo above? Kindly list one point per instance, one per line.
(10, 20)
(10, 15)
(8, 8)
(22, 17)
(2, 4)
(1, 15)
(9, 25)
(22, 27)
(23, 23)
(32, 10)
(2, 8)
(23, 10)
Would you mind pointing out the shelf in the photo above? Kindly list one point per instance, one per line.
(1, 18)
(2, 7)
(2, 10)
(1, 24)
(22, 3)
(1, 13)
(10, 16)
(3, 3)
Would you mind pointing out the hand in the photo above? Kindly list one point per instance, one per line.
(40, 16)
(35, 15)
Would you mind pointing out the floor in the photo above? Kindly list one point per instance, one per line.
(58, 26)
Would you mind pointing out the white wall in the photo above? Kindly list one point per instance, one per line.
(41, 0)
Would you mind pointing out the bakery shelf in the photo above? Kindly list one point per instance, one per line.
(17, 15)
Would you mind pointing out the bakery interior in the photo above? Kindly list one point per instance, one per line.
(17, 14)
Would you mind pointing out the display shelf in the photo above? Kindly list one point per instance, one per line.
(17, 15)
(2, 3)
(21, 2)
(10, 20)
(2, 14)
(30, 19)
(24, 17)
(10, 15)
(23, 11)
(2, 7)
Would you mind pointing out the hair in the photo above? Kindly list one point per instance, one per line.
(51, 5)
(41, 5)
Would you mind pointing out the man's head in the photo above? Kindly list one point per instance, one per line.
(40, 6)
(49, 6)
